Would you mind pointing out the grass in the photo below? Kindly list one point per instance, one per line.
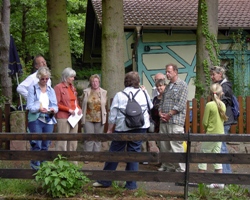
(30, 189)
(18, 187)
(232, 191)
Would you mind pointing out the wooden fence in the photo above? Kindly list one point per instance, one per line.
(193, 126)
(149, 176)
(193, 122)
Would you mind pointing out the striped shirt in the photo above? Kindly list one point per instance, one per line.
(175, 98)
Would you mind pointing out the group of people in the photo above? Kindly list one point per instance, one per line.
(48, 106)
(169, 113)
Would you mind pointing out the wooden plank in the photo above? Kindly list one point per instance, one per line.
(239, 179)
(194, 116)
(126, 157)
(187, 121)
(93, 136)
(202, 110)
(194, 177)
(83, 156)
(220, 158)
(247, 111)
(240, 124)
(127, 137)
(109, 175)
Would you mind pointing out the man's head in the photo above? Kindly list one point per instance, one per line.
(159, 76)
(39, 61)
(172, 72)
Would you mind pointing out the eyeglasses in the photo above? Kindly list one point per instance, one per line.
(44, 79)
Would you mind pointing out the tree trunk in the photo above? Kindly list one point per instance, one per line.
(59, 44)
(207, 54)
(6, 83)
(112, 46)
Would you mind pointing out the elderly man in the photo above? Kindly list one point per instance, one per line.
(22, 88)
(172, 112)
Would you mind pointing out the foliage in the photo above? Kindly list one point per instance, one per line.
(240, 54)
(29, 27)
(3, 99)
(212, 47)
(76, 10)
(61, 178)
(86, 72)
(229, 192)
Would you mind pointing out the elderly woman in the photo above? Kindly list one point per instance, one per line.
(117, 120)
(42, 105)
(217, 75)
(94, 112)
(68, 105)
(160, 85)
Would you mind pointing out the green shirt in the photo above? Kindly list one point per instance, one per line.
(212, 121)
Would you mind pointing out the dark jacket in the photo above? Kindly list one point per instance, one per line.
(227, 100)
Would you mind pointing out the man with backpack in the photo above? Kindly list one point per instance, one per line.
(217, 75)
(172, 112)
(128, 114)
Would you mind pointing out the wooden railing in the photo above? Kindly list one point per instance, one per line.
(150, 176)
(195, 125)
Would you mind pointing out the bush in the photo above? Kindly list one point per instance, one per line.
(61, 178)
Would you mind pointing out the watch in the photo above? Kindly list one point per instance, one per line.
(170, 114)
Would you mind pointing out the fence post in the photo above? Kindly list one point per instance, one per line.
(7, 123)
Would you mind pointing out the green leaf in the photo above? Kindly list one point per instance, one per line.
(47, 180)
(56, 181)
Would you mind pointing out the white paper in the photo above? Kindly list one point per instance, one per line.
(73, 120)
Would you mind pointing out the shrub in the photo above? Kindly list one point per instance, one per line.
(61, 178)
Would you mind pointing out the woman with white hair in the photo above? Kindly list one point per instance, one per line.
(218, 75)
(67, 103)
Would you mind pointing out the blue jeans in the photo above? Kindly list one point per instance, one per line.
(131, 146)
(39, 145)
(226, 168)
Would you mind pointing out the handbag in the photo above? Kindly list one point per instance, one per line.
(151, 128)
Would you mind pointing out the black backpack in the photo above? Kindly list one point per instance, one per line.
(134, 117)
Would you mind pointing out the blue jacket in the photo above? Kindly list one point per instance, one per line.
(33, 104)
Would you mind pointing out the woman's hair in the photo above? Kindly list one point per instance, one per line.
(68, 72)
(132, 79)
(92, 77)
(219, 70)
(43, 71)
(216, 93)
(160, 82)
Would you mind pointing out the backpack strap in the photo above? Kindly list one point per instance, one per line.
(147, 101)
(127, 94)
(133, 95)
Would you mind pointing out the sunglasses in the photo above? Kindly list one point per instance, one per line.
(44, 79)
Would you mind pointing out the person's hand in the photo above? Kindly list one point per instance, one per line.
(109, 131)
(164, 117)
(43, 110)
(72, 112)
(143, 87)
(79, 112)
(51, 110)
